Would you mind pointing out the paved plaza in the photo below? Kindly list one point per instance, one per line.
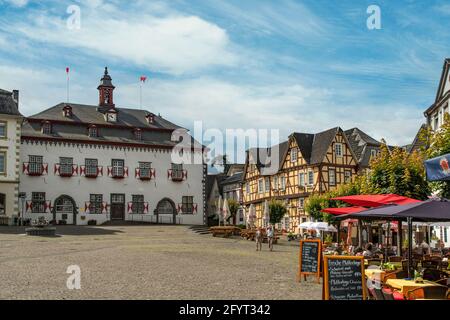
(146, 262)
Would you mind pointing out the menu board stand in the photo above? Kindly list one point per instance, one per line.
(343, 278)
(309, 259)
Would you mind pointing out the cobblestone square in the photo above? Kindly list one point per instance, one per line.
(146, 262)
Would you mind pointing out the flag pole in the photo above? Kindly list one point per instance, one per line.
(67, 72)
(140, 94)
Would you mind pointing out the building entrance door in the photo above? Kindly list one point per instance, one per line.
(117, 206)
(65, 209)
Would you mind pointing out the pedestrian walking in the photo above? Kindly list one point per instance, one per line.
(258, 239)
(269, 233)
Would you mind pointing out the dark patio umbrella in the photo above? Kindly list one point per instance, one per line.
(427, 211)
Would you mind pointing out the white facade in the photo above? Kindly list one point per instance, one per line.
(79, 187)
(9, 171)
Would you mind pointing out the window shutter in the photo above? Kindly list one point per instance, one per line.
(104, 207)
(130, 207)
(83, 170)
(194, 208)
(146, 207)
(87, 207)
(45, 168)
(152, 173)
(28, 206)
(25, 167)
(56, 170)
(100, 171)
(169, 173)
(109, 171)
(137, 173)
(74, 169)
(125, 172)
(185, 174)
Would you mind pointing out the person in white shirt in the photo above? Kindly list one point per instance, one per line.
(269, 233)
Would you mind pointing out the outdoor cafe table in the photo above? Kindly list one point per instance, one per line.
(375, 274)
(404, 286)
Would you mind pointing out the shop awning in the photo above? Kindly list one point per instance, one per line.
(343, 210)
(376, 200)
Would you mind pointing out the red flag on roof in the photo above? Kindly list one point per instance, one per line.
(67, 69)
(143, 78)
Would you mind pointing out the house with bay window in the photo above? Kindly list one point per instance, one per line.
(83, 164)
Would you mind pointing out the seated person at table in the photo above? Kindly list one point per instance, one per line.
(425, 248)
(358, 251)
(368, 252)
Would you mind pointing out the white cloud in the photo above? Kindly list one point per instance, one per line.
(174, 44)
(17, 3)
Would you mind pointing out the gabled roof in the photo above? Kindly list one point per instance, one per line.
(361, 144)
(262, 158)
(233, 179)
(416, 144)
(441, 94)
(314, 147)
(7, 104)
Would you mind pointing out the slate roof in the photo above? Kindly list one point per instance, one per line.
(314, 147)
(237, 177)
(76, 126)
(7, 103)
(361, 144)
(89, 114)
(263, 156)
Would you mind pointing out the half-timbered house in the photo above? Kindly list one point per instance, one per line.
(307, 164)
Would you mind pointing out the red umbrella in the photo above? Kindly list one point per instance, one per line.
(376, 200)
(343, 210)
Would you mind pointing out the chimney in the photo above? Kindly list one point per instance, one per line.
(15, 95)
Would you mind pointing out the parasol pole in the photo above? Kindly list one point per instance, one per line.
(410, 248)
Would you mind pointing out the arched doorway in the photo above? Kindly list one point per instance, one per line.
(2, 204)
(165, 209)
(65, 208)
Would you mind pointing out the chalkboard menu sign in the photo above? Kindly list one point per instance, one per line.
(344, 278)
(309, 258)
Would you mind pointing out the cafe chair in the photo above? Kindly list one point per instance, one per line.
(432, 274)
(395, 259)
(392, 294)
(378, 293)
(433, 264)
(434, 292)
(374, 262)
(405, 264)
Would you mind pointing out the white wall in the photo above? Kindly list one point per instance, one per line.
(9, 181)
(79, 188)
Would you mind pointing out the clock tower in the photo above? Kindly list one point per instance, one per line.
(106, 89)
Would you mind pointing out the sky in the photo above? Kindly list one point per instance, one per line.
(303, 66)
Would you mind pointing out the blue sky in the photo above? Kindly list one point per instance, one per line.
(294, 65)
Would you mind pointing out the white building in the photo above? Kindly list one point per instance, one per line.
(10, 122)
(435, 113)
(435, 118)
(83, 164)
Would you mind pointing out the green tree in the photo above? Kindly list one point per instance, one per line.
(233, 205)
(277, 210)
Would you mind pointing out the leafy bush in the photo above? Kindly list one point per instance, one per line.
(277, 210)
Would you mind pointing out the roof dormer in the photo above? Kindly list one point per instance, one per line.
(67, 111)
(46, 127)
(150, 117)
(137, 134)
